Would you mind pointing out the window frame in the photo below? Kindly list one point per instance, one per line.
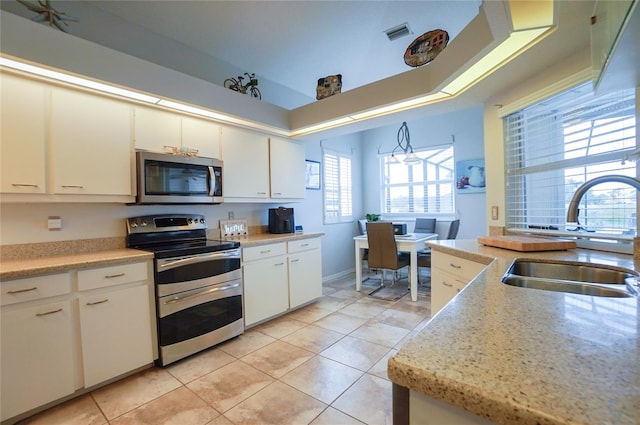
(438, 186)
(338, 186)
(569, 161)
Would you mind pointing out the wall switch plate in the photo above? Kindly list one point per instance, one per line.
(54, 223)
(494, 212)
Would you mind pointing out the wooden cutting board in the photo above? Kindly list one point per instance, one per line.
(527, 243)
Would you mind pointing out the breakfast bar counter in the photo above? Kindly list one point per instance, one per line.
(512, 355)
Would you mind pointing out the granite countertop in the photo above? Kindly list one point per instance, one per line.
(267, 238)
(20, 261)
(524, 356)
(20, 268)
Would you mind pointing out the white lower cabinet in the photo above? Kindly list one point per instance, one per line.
(114, 329)
(449, 275)
(281, 276)
(38, 360)
(265, 282)
(305, 271)
(58, 338)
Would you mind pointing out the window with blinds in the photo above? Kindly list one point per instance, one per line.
(427, 187)
(556, 145)
(338, 198)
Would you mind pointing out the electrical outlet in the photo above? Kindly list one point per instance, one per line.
(54, 223)
(231, 215)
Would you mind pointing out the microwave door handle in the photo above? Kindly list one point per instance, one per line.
(212, 181)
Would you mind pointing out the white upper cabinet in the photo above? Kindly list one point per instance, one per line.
(157, 130)
(154, 129)
(246, 165)
(201, 135)
(286, 159)
(261, 169)
(23, 111)
(91, 146)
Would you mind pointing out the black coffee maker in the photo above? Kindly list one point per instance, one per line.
(281, 220)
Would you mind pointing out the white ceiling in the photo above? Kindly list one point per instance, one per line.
(291, 43)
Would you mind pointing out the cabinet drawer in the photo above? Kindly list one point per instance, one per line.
(110, 276)
(263, 251)
(303, 245)
(35, 288)
(466, 269)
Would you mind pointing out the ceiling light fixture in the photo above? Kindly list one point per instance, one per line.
(404, 143)
(76, 81)
(130, 94)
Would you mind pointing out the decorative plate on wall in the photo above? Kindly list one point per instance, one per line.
(425, 48)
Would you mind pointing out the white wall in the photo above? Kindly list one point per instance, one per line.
(467, 128)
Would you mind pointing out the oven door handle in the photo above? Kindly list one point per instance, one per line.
(198, 294)
(169, 264)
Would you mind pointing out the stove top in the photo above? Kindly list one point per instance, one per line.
(178, 249)
(173, 235)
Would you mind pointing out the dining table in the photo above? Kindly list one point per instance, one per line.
(410, 242)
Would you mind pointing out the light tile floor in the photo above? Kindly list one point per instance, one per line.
(324, 364)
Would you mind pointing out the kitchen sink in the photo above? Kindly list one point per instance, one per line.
(571, 277)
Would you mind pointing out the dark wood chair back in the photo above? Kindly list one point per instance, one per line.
(383, 251)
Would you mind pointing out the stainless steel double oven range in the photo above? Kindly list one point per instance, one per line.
(198, 283)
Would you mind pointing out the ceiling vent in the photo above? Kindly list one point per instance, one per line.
(398, 31)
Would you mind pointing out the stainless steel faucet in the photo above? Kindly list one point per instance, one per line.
(573, 211)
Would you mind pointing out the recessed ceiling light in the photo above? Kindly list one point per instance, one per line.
(398, 31)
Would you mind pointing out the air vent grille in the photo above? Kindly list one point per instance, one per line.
(398, 31)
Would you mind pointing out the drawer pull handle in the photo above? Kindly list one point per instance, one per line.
(111, 276)
(23, 185)
(17, 291)
(266, 251)
(295, 260)
(72, 186)
(305, 244)
(447, 284)
(98, 302)
(454, 266)
(279, 264)
(49, 312)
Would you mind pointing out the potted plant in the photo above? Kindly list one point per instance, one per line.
(372, 217)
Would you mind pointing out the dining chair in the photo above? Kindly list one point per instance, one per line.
(424, 257)
(425, 225)
(383, 251)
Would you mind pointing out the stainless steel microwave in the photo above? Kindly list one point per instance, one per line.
(176, 179)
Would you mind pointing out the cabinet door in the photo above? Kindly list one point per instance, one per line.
(116, 333)
(91, 144)
(154, 129)
(37, 356)
(23, 115)
(246, 164)
(201, 135)
(265, 289)
(305, 277)
(287, 168)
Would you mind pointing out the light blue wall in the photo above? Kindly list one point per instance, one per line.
(466, 127)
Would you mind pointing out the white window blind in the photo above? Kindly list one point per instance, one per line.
(554, 146)
(338, 198)
(427, 187)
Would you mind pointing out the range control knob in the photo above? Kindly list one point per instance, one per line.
(202, 220)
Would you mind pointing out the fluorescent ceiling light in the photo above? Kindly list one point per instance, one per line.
(322, 126)
(506, 51)
(78, 81)
(107, 88)
(400, 106)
